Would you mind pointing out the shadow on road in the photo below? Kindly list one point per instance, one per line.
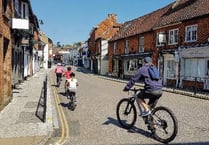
(134, 129)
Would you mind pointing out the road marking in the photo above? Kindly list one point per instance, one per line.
(62, 117)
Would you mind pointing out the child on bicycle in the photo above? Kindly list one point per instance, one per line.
(152, 88)
(67, 76)
(72, 84)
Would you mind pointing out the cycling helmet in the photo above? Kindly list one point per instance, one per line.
(59, 64)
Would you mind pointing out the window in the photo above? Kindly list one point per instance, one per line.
(115, 48)
(171, 69)
(6, 44)
(194, 68)
(115, 65)
(161, 39)
(24, 10)
(4, 6)
(17, 10)
(173, 36)
(127, 44)
(191, 33)
(141, 44)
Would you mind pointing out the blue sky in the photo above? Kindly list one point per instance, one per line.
(70, 21)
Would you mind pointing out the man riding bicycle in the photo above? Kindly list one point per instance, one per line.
(152, 88)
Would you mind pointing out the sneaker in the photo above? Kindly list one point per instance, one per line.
(146, 113)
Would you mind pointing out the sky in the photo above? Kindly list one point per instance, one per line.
(71, 21)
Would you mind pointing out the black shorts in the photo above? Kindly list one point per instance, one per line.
(150, 95)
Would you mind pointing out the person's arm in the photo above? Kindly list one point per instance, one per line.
(133, 80)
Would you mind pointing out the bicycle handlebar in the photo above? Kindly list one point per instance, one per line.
(134, 90)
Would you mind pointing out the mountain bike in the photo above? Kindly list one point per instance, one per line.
(161, 122)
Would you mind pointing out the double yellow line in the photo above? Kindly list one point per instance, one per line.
(62, 117)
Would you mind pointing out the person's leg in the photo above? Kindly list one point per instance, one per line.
(143, 104)
(154, 97)
(140, 100)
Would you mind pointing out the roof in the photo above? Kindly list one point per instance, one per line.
(106, 28)
(184, 10)
(178, 11)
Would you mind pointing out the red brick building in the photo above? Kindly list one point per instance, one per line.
(5, 53)
(176, 36)
(97, 43)
(18, 45)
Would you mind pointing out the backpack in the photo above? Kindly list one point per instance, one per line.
(154, 73)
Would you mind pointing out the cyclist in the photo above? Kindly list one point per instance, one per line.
(72, 84)
(67, 76)
(59, 71)
(152, 88)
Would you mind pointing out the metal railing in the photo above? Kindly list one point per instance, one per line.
(42, 104)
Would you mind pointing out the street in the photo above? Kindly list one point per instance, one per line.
(94, 121)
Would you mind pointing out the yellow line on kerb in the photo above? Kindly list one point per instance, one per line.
(62, 117)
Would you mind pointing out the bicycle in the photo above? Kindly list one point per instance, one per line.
(163, 128)
(59, 76)
(72, 97)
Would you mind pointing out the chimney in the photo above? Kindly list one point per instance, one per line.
(111, 15)
(176, 4)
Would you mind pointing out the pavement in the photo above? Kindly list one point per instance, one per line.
(26, 120)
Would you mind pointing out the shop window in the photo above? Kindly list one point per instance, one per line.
(194, 68)
(208, 67)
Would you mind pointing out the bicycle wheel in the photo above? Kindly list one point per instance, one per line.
(165, 124)
(58, 83)
(126, 113)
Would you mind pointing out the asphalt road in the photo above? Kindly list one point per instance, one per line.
(94, 121)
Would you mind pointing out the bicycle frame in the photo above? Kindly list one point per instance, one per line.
(135, 97)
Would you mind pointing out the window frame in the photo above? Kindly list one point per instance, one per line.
(141, 44)
(189, 34)
(127, 47)
(115, 48)
(158, 43)
(24, 10)
(173, 36)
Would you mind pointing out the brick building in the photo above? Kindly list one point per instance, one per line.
(5, 53)
(98, 44)
(175, 36)
(19, 40)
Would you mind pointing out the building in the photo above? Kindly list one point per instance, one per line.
(175, 36)
(98, 44)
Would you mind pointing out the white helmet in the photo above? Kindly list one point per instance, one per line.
(59, 64)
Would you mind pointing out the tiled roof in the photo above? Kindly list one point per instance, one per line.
(139, 25)
(106, 28)
(184, 10)
(175, 12)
